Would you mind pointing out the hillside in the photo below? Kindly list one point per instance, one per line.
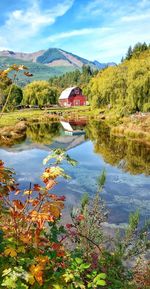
(39, 71)
(56, 57)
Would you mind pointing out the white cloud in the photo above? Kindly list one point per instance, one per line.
(98, 6)
(24, 24)
(110, 44)
(77, 32)
(137, 17)
(118, 25)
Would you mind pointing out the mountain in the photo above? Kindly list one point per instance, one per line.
(103, 65)
(44, 64)
(51, 57)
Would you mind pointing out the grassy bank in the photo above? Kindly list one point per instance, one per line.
(136, 126)
(12, 118)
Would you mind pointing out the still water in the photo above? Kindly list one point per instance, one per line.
(126, 162)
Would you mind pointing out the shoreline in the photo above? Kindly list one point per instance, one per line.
(135, 126)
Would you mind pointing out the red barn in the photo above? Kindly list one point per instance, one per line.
(72, 96)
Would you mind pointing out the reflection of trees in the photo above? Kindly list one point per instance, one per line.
(131, 155)
(43, 132)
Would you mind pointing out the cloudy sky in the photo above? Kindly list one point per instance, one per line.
(93, 29)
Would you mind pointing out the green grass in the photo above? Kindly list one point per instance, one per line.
(11, 118)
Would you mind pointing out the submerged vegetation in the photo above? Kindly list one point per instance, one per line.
(37, 251)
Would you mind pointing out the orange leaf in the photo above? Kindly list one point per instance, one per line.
(50, 184)
(33, 202)
(37, 272)
(42, 260)
(18, 204)
(36, 187)
(25, 238)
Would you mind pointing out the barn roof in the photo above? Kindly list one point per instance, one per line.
(65, 93)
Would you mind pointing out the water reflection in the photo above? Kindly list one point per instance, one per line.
(43, 133)
(125, 161)
(130, 155)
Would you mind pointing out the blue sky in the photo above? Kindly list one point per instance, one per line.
(97, 29)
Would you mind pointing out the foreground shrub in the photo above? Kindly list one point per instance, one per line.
(37, 251)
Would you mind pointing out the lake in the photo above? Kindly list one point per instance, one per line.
(126, 162)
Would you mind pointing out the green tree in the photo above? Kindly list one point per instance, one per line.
(5, 83)
(15, 97)
(136, 50)
(126, 86)
(40, 93)
(129, 53)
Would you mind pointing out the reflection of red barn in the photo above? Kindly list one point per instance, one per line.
(72, 96)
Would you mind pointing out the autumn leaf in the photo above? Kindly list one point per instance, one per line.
(18, 204)
(52, 173)
(50, 184)
(53, 208)
(37, 272)
(25, 238)
(34, 202)
(80, 217)
(22, 67)
(42, 260)
(1, 164)
(28, 74)
(56, 198)
(9, 251)
(17, 192)
(61, 198)
(28, 192)
(36, 187)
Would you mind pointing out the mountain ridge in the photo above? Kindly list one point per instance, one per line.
(44, 64)
(54, 57)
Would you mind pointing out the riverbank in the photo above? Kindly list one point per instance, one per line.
(135, 126)
(12, 118)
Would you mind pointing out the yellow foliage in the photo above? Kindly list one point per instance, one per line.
(126, 86)
(37, 273)
(9, 251)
